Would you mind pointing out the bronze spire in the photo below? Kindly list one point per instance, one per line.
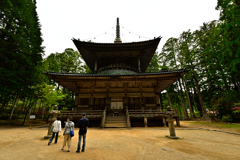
(118, 39)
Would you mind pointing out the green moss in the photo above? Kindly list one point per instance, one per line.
(218, 125)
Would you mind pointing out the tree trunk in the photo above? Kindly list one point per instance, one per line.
(183, 101)
(14, 105)
(25, 104)
(200, 96)
(43, 111)
(180, 100)
(204, 117)
(195, 104)
(188, 98)
(27, 109)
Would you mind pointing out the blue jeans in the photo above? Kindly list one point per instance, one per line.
(79, 142)
(56, 138)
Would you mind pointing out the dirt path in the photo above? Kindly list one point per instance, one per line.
(138, 143)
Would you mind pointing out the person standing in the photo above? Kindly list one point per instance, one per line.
(67, 138)
(82, 125)
(56, 128)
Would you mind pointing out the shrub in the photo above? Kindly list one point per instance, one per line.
(4, 116)
(236, 115)
(14, 116)
(21, 116)
(195, 114)
(227, 118)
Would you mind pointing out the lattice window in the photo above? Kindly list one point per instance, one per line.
(150, 100)
(84, 101)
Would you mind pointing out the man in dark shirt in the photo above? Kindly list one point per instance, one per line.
(82, 125)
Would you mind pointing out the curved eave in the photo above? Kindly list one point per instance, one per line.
(66, 74)
(89, 50)
(71, 80)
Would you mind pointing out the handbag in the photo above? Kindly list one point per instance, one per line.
(71, 131)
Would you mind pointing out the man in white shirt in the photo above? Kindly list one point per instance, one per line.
(56, 128)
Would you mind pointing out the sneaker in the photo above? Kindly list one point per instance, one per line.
(49, 143)
(68, 150)
(62, 148)
(77, 151)
(82, 150)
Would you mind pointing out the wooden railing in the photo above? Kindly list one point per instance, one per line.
(103, 118)
(89, 113)
(148, 113)
(128, 119)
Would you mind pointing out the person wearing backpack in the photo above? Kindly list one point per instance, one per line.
(82, 125)
(56, 127)
(69, 126)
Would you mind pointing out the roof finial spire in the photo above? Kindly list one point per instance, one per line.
(118, 39)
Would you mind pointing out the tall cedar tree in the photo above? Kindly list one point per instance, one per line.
(21, 50)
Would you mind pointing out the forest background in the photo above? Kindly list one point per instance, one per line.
(211, 88)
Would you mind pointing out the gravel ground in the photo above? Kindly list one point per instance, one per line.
(138, 143)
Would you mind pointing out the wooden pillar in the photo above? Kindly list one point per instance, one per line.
(139, 65)
(141, 103)
(158, 102)
(140, 100)
(91, 102)
(95, 67)
(164, 122)
(145, 121)
(77, 100)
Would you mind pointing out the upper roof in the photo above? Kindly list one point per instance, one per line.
(115, 53)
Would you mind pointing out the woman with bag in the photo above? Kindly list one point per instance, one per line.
(69, 127)
(56, 127)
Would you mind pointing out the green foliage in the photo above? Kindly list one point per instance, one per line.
(212, 54)
(20, 51)
(218, 125)
(236, 115)
(65, 109)
(154, 64)
(5, 116)
(230, 17)
(68, 61)
(212, 116)
(51, 96)
(195, 114)
(227, 118)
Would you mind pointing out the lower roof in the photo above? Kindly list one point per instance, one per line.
(114, 74)
(161, 80)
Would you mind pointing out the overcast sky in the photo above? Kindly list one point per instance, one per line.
(140, 20)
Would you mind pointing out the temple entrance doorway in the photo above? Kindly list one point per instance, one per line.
(117, 106)
(99, 103)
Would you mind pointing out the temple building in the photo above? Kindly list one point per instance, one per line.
(119, 92)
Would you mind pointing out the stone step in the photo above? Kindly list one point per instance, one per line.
(116, 118)
(115, 122)
(115, 126)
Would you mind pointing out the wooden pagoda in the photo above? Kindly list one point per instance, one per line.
(119, 93)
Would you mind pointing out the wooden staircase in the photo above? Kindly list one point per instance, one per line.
(115, 122)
